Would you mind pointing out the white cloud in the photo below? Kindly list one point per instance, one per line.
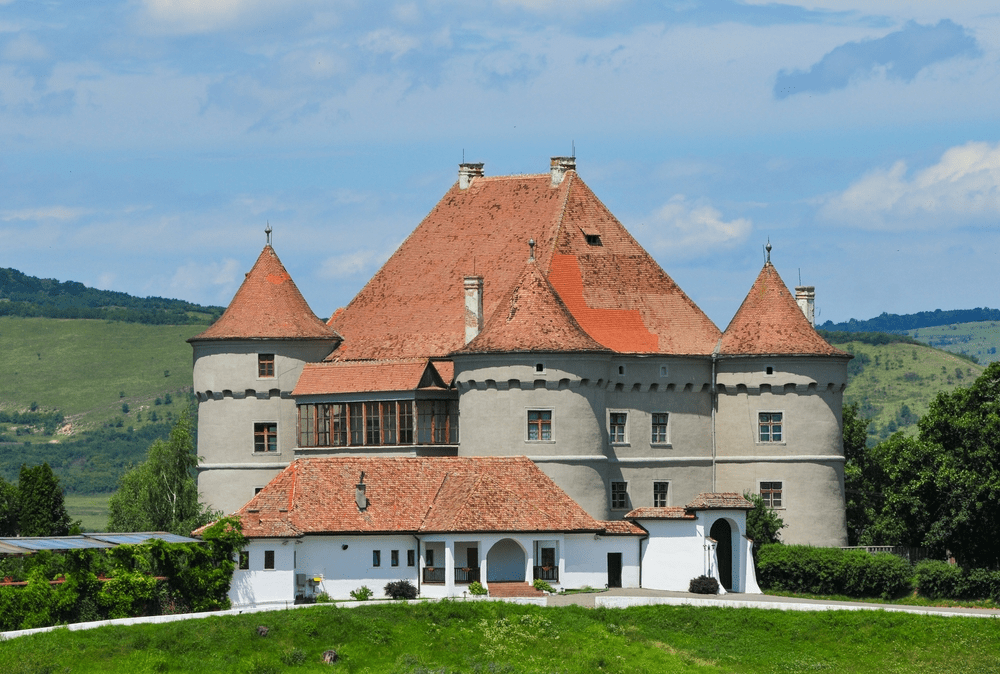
(683, 228)
(964, 185)
(25, 48)
(202, 16)
(221, 277)
(44, 213)
(349, 264)
(386, 41)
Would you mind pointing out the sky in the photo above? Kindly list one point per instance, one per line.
(146, 144)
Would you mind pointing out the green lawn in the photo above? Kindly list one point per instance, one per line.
(449, 637)
(81, 367)
(91, 510)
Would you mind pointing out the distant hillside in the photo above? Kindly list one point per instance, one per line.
(23, 295)
(924, 319)
(894, 379)
(978, 341)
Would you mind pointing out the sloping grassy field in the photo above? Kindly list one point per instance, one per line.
(981, 340)
(453, 637)
(81, 367)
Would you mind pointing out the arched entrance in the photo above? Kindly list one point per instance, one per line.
(505, 562)
(723, 535)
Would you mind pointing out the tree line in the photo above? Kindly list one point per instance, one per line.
(924, 319)
(940, 489)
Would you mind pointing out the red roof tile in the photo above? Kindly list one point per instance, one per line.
(623, 528)
(770, 322)
(414, 305)
(446, 369)
(728, 500)
(661, 513)
(367, 376)
(535, 319)
(407, 494)
(268, 305)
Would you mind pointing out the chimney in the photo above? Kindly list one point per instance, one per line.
(466, 172)
(473, 307)
(359, 495)
(805, 297)
(559, 166)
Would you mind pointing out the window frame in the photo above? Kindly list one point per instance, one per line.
(619, 496)
(666, 494)
(411, 557)
(267, 431)
(243, 560)
(653, 440)
(376, 558)
(377, 423)
(767, 491)
(265, 366)
(394, 558)
(612, 414)
(269, 564)
(771, 423)
(539, 423)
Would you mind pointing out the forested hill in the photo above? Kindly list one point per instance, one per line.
(23, 295)
(924, 319)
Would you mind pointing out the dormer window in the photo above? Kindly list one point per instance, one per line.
(594, 240)
(265, 364)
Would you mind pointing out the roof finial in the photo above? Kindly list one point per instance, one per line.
(268, 232)
(531, 247)
(768, 249)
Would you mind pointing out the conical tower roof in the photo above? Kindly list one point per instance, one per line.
(770, 322)
(534, 319)
(268, 305)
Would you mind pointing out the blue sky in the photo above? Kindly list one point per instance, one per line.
(144, 144)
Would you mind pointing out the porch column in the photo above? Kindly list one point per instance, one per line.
(529, 573)
(449, 568)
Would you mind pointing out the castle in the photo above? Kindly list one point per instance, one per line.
(520, 318)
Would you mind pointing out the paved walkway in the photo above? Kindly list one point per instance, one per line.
(622, 598)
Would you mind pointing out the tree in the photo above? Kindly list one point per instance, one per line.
(8, 508)
(763, 524)
(861, 475)
(161, 494)
(41, 509)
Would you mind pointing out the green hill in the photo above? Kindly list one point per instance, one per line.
(977, 340)
(894, 384)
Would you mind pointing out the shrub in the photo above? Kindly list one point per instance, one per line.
(543, 586)
(324, 598)
(476, 589)
(401, 589)
(937, 579)
(363, 593)
(855, 573)
(704, 585)
(979, 584)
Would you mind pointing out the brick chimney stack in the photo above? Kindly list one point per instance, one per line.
(473, 307)
(559, 166)
(466, 172)
(805, 297)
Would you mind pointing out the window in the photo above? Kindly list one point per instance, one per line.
(770, 426)
(257, 490)
(265, 437)
(411, 557)
(616, 426)
(539, 424)
(660, 494)
(770, 493)
(769, 370)
(664, 371)
(244, 560)
(540, 368)
(375, 423)
(593, 239)
(429, 554)
(376, 558)
(621, 369)
(394, 557)
(265, 364)
(659, 432)
(269, 559)
(619, 495)
(548, 557)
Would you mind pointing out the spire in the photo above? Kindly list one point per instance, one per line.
(770, 322)
(268, 305)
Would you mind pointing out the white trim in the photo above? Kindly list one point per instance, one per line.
(670, 491)
(779, 459)
(784, 427)
(611, 495)
(625, 441)
(552, 425)
(658, 443)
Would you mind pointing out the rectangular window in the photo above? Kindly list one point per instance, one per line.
(619, 495)
(244, 560)
(376, 558)
(548, 557)
(660, 494)
(770, 493)
(406, 423)
(307, 425)
(265, 437)
(617, 422)
(269, 559)
(265, 364)
(373, 436)
(539, 424)
(357, 423)
(394, 557)
(411, 557)
(769, 424)
(429, 554)
(389, 423)
(437, 422)
(659, 434)
(338, 425)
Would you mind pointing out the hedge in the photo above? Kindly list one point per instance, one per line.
(941, 580)
(855, 573)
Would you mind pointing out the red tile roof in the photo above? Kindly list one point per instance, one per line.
(622, 528)
(407, 494)
(414, 305)
(770, 322)
(662, 513)
(367, 376)
(268, 305)
(728, 500)
(535, 319)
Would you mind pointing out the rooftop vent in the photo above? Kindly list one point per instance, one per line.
(466, 172)
(559, 166)
(473, 287)
(359, 495)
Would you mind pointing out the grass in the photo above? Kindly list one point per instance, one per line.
(80, 368)
(91, 510)
(973, 339)
(902, 374)
(449, 637)
(909, 600)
